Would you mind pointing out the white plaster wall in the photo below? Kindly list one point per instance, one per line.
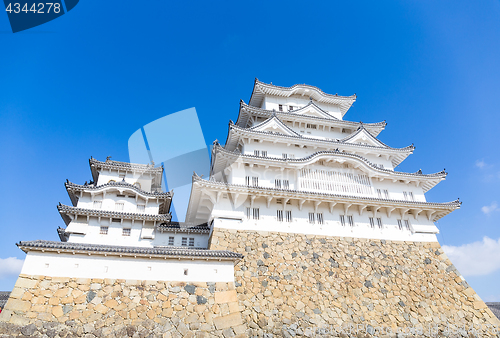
(144, 180)
(200, 240)
(273, 102)
(278, 149)
(227, 208)
(108, 202)
(95, 266)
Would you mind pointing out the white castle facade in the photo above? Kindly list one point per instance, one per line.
(291, 163)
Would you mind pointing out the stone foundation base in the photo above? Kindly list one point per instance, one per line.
(61, 307)
(301, 283)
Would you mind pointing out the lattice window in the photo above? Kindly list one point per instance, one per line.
(411, 196)
(350, 221)
(249, 213)
(126, 231)
(372, 223)
(342, 220)
(319, 218)
(171, 240)
(277, 183)
(255, 213)
(255, 181)
(103, 230)
(405, 195)
(379, 222)
(256, 152)
(400, 224)
(280, 107)
(311, 217)
(288, 215)
(407, 224)
(386, 193)
(191, 241)
(247, 180)
(379, 193)
(286, 184)
(184, 241)
(264, 153)
(279, 215)
(141, 208)
(335, 181)
(97, 204)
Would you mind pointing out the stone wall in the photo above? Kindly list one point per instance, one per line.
(67, 307)
(292, 284)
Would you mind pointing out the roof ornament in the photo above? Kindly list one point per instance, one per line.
(419, 171)
(152, 163)
(85, 183)
(337, 150)
(108, 158)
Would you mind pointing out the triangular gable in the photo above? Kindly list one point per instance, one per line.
(311, 109)
(363, 136)
(274, 125)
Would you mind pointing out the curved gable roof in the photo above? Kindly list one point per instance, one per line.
(261, 89)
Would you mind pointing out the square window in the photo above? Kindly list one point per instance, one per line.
(191, 241)
(171, 240)
(184, 241)
(103, 231)
(126, 231)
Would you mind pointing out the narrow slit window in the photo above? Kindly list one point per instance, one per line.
(379, 222)
(279, 215)
(386, 193)
(411, 196)
(288, 215)
(277, 183)
(379, 193)
(255, 181)
(280, 107)
(342, 220)
(350, 221)
(319, 218)
(249, 213)
(372, 224)
(247, 180)
(407, 224)
(285, 155)
(311, 217)
(256, 213)
(286, 184)
(256, 152)
(264, 153)
(400, 224)
(405, 195)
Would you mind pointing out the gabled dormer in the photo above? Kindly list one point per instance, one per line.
(275, 126)
(363, 136)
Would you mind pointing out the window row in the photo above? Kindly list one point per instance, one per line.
(281, 107)
(119, 206)
(104, 231)
(317, 218)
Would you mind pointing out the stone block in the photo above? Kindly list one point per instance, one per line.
(18, 305)
(25, 283)
(231, 320)
(226, 296)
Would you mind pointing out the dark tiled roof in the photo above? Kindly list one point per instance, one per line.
(66, 209)
(163, 252)
(495, 308)
(63, 235)
(4, 296)
(183, 227)
(70, 185)
(124, 165)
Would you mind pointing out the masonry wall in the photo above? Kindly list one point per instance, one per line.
(82, 307)
(291, 284)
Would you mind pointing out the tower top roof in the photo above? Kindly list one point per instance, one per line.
(96, 166)
(261, 89)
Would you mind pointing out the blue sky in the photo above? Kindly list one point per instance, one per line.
(80, 85)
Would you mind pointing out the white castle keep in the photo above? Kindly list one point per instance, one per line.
(291, 163)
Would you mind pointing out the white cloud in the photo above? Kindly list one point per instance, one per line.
(10, 266)
(477, 258)
(480, 164)
(487, 209)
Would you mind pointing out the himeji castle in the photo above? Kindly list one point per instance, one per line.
(304, 227)
(292, 163)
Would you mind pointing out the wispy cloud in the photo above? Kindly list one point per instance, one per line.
(477, 258)
(487, 209)
(10, 266)
(480, 164)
